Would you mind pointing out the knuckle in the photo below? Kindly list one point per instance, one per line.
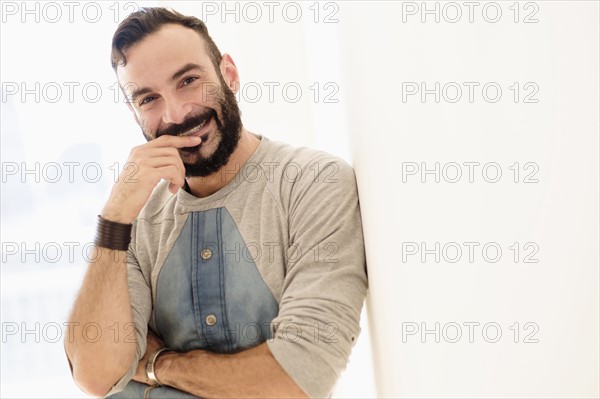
(133, 151)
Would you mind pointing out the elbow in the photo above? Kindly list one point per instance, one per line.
(92, 385)
(96, 370)
(96, 379)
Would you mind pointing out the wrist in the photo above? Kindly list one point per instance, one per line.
(162, 365)
(113, 235)
(115, 215)
(152, 366)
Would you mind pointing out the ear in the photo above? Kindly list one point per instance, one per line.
(230, 73)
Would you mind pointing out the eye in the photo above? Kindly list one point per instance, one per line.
(189, 80)
(146, 100)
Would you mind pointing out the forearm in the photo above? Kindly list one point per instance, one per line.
(253, 373)
(100, 342)
(103, 301)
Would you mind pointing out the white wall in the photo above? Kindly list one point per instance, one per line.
(557, 354)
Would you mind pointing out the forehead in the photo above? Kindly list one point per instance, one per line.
(154, 59)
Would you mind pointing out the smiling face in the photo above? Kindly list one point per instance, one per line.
(173, 88)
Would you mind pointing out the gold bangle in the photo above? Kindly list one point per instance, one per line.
(150, 366)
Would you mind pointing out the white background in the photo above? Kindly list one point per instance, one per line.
(354, 63)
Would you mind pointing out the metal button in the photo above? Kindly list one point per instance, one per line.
(211, 320)
(206, 254)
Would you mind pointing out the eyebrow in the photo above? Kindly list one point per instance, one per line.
(181, 71)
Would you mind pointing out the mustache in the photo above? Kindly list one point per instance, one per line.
(191, 122)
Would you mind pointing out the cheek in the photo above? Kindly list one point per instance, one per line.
(148, 131)
(211, 95)
(150, 125)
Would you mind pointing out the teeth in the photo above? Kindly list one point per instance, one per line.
(196, 129)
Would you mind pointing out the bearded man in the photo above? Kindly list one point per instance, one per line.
(227, 264)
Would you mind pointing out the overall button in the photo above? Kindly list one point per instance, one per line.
(206, 254)
(211, 320)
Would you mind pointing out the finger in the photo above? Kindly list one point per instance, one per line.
(152, 169)
(170, 173)
(157, 157)
(153, 152)
(165, 160)
(175, 141)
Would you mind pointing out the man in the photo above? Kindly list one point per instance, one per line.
(242, 273)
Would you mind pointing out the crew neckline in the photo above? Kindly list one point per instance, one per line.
(187, 198)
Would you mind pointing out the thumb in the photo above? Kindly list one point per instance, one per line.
(173, 188)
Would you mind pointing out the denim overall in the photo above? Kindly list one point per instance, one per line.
(209, 295)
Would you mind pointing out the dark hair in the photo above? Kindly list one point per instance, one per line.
(148, 20)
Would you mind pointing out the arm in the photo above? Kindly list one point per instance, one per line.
(104, 301)
(253, 373)
(318, 316)
(326, 283)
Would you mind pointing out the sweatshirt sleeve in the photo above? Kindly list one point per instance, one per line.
(326, 279)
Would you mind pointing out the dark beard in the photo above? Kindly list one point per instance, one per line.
(229, 129)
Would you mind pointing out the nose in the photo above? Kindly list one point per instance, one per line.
(175, 111)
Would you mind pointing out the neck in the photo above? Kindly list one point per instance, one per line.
(204, 186)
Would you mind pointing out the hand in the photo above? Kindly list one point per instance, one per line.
(146, 166)
(154, 343)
